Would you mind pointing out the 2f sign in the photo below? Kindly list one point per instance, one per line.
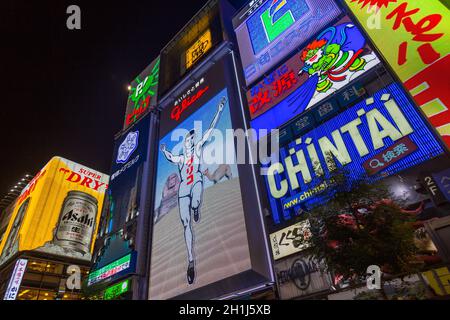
(373, 280)
(74, 19)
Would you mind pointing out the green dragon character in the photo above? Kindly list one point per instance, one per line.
(332, 62)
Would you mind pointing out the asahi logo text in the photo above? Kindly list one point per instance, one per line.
(85, 219)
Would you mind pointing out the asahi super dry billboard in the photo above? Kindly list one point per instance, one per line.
(57, 212)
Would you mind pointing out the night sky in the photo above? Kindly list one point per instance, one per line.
(63, 92)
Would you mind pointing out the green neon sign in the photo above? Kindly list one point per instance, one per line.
(143, 93)
(109, 270)
(117, 290)
(275, 28)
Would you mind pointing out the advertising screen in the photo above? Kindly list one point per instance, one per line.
(122, 204)
(198, 49)
(275, 28)
(417, 50)
(143, 93)
(117, 290)
(192, 44)
(116, 268)
(337, 56)
(201, 245)
(130, 152)
(378, 137)
(57, 212)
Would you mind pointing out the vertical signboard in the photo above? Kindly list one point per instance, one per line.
(417, 50)
(143, 93)
(378, 137)
(57, 212)
(200, 245)
(16, 279)
(269, 30)
(118, 224)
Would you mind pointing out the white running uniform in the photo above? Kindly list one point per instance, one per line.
(190, 191)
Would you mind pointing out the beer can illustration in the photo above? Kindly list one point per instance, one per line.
(12, 242)
(76, 224)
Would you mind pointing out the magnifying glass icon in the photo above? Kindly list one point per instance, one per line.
(375, 163)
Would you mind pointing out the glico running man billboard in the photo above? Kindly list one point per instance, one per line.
(418, 49)
(378, 137)
(143, 93)
(336, 56)
(200, 246)
(122, 204)
(57, 212)
(268, 32)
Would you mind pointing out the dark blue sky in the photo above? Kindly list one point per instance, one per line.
(64, 92)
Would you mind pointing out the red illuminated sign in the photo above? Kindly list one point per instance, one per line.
(391, 155)
(85, 178)
(186, 103)
(143, 106)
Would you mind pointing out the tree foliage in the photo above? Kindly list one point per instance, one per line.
(362, 225)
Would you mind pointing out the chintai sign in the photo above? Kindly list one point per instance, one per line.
(378, 137)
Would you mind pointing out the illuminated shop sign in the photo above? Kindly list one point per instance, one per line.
(143, 93)
(380, 136)
(196, 94)
(291, 240)
(337, 56)
(418, 49)
(275, 28)
(72, 195)
(117, 290)
(116, 268)
(200, 244)
(130, 152)
(301, 276)
(16, 279)
(198, 49)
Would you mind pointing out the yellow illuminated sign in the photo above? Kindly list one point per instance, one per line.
(198, 49)
(57, 212)
(413, 36)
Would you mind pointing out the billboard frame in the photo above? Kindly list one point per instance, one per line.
(261, 274)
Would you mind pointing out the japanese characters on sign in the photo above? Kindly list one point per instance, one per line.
(119, 266)
(417, 50)
(16, 279)
(143, 93)
(394, 153)
(291, 240)
(385, 124)
(336, 57)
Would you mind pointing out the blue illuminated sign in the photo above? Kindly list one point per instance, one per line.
(276, 28)
(384, 133)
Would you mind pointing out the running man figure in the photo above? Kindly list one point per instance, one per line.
(190, 191)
